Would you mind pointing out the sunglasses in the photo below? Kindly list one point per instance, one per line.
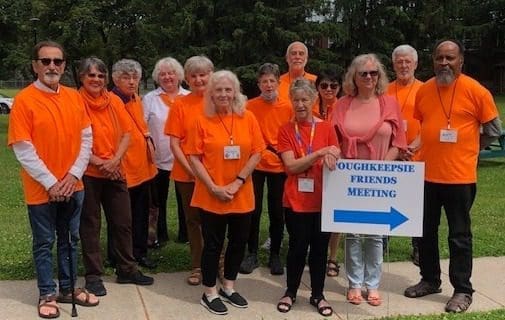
(364, 74)
(95, 75)
(325, 85)
(47, 61)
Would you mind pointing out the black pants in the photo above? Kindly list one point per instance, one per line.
(182, 235)
(457, 200)
(139, 201)
(275, 185)
(304, 230)
(214, 230)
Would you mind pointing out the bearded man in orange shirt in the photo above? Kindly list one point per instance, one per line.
(297, 55)
(51, 137)
(451, 108)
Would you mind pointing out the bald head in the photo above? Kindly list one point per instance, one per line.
(447, 61)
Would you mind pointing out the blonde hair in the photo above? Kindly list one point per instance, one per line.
(239, 100)
(171, 63)
(349, 85)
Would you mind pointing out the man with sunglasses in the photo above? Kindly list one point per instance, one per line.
(50, 134)
(451, 108)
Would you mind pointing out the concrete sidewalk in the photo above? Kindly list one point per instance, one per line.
(171, 298)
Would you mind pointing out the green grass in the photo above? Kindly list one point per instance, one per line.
(490, 315)
(9, 92)
(15, 239)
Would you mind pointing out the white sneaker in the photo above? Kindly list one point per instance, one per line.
(266, 245)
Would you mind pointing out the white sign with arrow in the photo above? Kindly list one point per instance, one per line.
(374, 197)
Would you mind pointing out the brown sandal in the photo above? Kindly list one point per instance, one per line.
(332, 268)
(45, 301)
(195, 277)
(67, 298)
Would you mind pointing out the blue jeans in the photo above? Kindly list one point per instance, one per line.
(363, 263)
(48, 221)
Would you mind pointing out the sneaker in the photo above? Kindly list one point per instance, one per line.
(275, 265)
(96, 287)
(249, 263)
(423, 288)
(137, 278)
(216, 306)
(235, 299)
(266, 244)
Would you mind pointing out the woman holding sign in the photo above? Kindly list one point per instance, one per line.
(305, 144)
(369, 127)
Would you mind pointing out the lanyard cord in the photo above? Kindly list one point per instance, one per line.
(229, 132)
(406, 98)
(447, 115)
(298, 137)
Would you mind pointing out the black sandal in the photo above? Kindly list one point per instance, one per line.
(281, 305)
(321, 310)
(332, 268)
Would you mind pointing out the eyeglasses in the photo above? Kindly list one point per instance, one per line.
(47, 61)
(94, 75)
(364, 74)
(325, 85)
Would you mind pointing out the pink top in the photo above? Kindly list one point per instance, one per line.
(367, 131)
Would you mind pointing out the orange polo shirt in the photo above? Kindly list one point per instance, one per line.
(136, 164)
(406, 97)
(52, 122)
(452, 163)
(270, 116)
(285, 82)
(180, 124)
(210, 138)
(324, 135)
(109, 124)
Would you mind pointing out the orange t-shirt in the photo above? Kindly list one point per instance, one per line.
(180, 124)
(109, 124)
(285, 82)
(270, 116)
(452, 163)
(406, 97)
(324, 136)
(136, 164)
(53, 123)
(210, 138)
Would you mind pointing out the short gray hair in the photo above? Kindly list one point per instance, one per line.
(404, 49)
(239, 100)
(87, 63)
(198, 64)
(268, 68)
(126, 66)
(305, 85)
(170, 63)
(288, 49)
(349, 85)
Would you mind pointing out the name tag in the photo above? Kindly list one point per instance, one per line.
(405, 125)
(231, 152)
(448, 135)
(305, 184)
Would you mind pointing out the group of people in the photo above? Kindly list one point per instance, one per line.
(92, 149)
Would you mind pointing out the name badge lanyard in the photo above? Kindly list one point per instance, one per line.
(448, 115)
(229, 132)
(298, 137)
(406, 98)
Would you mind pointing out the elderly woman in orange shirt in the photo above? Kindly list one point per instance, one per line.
(225, 148)
(179, 127)
(306, 144)
(104, 181)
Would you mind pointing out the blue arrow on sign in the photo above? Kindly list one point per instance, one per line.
(394, 217)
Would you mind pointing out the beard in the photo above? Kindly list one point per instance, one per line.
(51, 79)
(269, 96)
(444, 77)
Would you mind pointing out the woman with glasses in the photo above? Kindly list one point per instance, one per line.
(328, 88)
(369, 126)
(305, 145)
(104, 181)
